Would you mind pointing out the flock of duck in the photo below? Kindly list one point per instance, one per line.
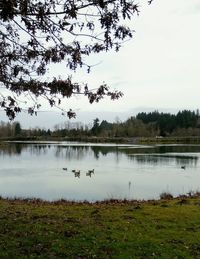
(77, 173)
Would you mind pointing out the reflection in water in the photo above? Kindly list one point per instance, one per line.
(69, 152)
(10, 150)
(160, 159)
(80, 150)
(141, 155)
(48, 170)
(149, 155)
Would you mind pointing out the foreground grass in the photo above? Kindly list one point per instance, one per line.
(161, 229)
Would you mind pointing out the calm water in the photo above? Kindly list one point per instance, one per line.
(120, 171)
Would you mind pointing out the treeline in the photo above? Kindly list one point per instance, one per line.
(183, 123)
(14, 130)
(152, 124)
(10, 129)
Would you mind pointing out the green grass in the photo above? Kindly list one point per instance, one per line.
(113, 229)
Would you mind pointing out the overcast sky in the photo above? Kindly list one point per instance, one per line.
(159, 68)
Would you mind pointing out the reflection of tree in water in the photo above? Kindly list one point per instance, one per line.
(177, 149)
(11, 149)
(80, 152)
(161, 159)
(17, 148)
(151, 154)
(38, 149)
(72, 152)
(102, 150)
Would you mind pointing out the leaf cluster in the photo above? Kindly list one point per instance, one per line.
(35, 34)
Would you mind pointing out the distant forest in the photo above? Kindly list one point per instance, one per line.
(152, 124)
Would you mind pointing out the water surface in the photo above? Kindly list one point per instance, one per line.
(32, 169)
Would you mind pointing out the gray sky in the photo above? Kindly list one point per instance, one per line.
(158, 69)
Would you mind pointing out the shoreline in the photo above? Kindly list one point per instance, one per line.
(117, 140)
(163, 197)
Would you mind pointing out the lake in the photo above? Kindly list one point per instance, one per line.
(44, 170)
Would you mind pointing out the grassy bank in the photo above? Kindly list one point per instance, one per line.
(114, 229)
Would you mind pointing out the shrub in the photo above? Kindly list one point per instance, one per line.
(166, 196)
